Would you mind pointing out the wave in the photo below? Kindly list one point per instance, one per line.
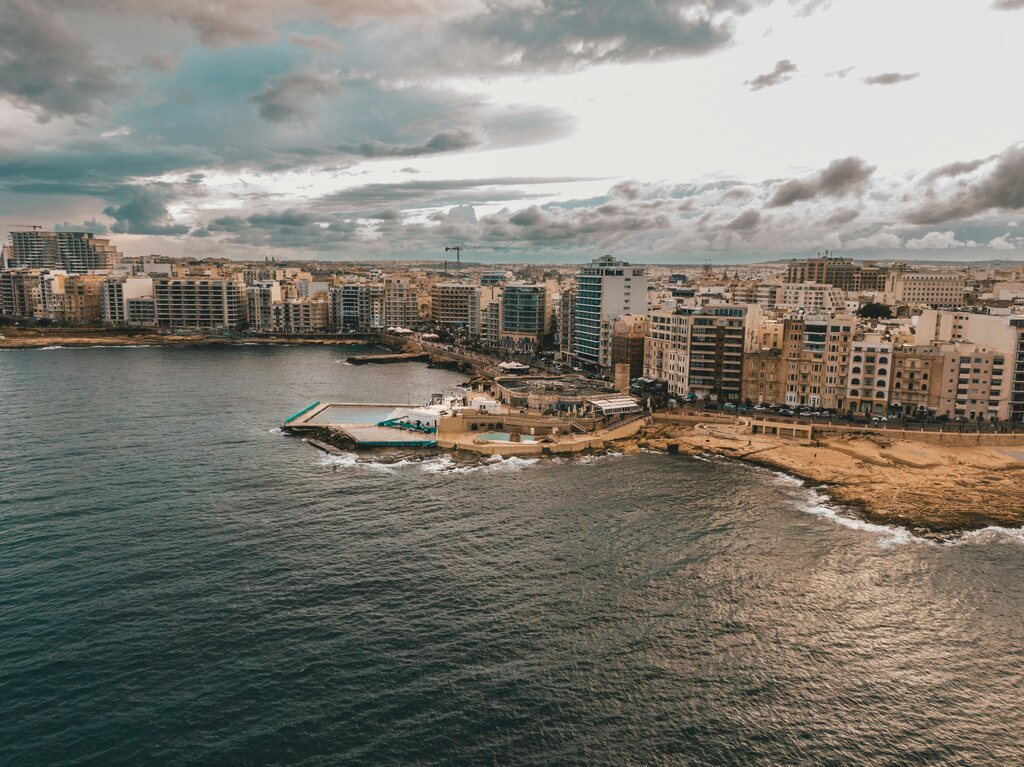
(890, 535)
(992, 534)
(91, 346)
(496, 463)
(351, 461)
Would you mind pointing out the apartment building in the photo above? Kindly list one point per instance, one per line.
(199, 302)
(525, 316)
(21, 292)
(916, 375)
(666, 347)
(302, 315)
(262, 297)
(605, 289)
(73, 252)
(925, 288)
(455, 304)
(870, 374)
(842, 273)
(127, 301)
(764, 377)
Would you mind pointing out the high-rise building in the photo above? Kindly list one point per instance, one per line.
(525, 316)
(454, 304)
(74, 252)
(699, 351)
(605, 289)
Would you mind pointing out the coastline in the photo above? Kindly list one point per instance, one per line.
(934, 491)
(16, 338)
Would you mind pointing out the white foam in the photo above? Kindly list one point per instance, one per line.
(589, 459)
(351, 461)
(890, 535)
(92, 346)
(992, 534)
(787, 479)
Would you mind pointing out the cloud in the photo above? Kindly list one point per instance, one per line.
(318, 43)
(954, 169)
(445, 141)
(219, 23)
(92, 225)
(745, 221)
(783, 71)
(876, 241)
(437, 193)
(1000, 187)
(45, 67)
(840, 178)
(1002, 243)
(842, 216)
(891, 78)
(840, 73)
(568, 35)
(1008, 5)
(145, 213)
(939, 241)
(288, 98)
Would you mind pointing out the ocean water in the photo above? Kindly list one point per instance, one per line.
(181, 584)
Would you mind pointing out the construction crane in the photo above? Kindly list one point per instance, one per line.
(458, 258)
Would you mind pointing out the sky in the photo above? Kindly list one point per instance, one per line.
(662, 131)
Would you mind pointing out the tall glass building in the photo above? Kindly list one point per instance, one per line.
(605, 289)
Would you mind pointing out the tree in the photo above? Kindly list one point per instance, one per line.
(875, 311)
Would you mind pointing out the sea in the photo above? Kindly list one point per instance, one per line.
(183, 584)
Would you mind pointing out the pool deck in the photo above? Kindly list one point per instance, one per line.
(370, 435)
(362, 435)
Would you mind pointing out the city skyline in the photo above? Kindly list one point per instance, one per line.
(553, 131)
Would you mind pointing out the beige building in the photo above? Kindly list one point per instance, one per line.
(915, 381)
(199, 302)
(975, 382)
(927, 288)
(870, 374)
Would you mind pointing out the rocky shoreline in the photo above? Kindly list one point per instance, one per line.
(935, 491)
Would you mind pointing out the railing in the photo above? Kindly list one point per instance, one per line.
(302, 412)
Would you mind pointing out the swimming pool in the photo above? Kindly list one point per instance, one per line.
(352, 414)
(500, 436)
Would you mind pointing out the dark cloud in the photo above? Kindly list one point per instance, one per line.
(446, 141)
(569, 34)
(289, 98)
(842, 216)
(1008, 5)
(745, 221)
(1001, 188)
(841, 177)
(287, 229)
(891, 78)
(92, 225)
(145, 213)
(783, 71)
(389, 214)
(44, 66)
(436, 193)
(954, 169)
(220, 23)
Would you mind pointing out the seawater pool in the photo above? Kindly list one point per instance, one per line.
(500, 436)
(352, 414)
